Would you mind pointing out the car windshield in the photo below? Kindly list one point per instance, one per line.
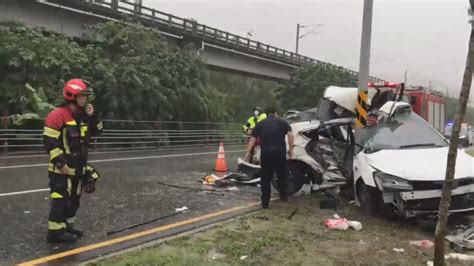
(404, 131)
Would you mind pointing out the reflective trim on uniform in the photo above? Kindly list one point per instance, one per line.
(65, 142)
(84, 130)
(50, 132)
(69, 186)
(55, 153)
(54, 169)
(71, 123)
(71, 220)
(100, 126)
(56, 226)
(94, 174)
(79, 188)
(56, 195)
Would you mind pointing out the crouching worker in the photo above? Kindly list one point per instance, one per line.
(66, 135)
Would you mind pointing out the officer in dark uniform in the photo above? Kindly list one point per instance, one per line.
(271, 133)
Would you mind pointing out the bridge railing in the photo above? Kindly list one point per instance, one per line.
(162, 20)
(127, 134)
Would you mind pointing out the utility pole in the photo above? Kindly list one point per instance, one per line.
(405, 80)
(312, 31)
(448, 186)
(364, 65)
(297, 37)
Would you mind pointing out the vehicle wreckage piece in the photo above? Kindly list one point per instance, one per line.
(462, 238)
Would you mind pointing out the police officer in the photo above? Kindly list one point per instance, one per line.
(66, 136)
(253, 120)
(272, 132)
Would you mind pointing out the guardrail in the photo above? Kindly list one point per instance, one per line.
(177, 25)
(117, 135)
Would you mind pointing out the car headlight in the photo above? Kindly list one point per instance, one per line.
(387, 182)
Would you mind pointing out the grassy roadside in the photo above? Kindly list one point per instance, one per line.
(471, 152)
(269, 238)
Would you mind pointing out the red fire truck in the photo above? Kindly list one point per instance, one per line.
(428, 104)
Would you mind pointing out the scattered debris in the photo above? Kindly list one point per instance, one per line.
(462, 238)
(244, 257)
(422, 243)
(215, 257)
(356, 225)
(342, 223)
(292, 214)
(352, 202)
(429, 263)
(27, 212)
(338, 224)
(182, 209)
(362, 242)
(330, 200)
(233, 189)
(399, 250)
(458, 256)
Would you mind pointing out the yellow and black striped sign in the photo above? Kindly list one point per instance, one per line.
(362, 108)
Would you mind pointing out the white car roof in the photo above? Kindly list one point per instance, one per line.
(345, 96)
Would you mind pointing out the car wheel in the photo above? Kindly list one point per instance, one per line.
(366, 199)
(295, 179)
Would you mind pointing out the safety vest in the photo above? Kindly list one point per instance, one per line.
(66, 139)
(252, 121)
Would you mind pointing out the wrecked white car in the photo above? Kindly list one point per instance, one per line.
(394, 166)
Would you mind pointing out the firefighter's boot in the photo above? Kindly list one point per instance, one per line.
(60, 236)
(71, 230)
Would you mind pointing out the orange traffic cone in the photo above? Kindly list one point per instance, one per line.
(221, 164)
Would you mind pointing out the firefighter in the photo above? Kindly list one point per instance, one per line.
(255, 118)
(66, 136)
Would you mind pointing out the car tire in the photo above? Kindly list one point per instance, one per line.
(295, 179)
(366, 199)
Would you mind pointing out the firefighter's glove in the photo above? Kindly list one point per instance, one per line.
(88, 186)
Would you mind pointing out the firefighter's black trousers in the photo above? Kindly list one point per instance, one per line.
(65, 200)
(273, 162)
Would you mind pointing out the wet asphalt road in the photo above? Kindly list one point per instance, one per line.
(127, 194)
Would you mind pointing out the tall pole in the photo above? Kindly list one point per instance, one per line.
(405, 80)
(364, 64)
(297, 37)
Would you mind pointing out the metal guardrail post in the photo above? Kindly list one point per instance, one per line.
(114, 5)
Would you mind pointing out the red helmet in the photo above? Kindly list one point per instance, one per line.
(75, 87)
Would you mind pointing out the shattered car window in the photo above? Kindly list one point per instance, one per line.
(307, 115)
(401, 132)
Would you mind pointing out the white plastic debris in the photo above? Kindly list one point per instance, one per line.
(27, 212)
(429, 263)
(356, 225)
(215, 257)
(244, 257)
(336, 216)
(399, 250)
(233, 189)
(459, 256)
(182, 209)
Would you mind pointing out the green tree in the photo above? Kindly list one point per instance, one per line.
(309, 83)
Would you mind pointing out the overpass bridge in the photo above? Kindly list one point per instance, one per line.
(220, 50)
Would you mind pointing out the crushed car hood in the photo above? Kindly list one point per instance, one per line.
(420, 164)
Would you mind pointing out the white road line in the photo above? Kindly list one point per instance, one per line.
(122, 159)
(23, 192)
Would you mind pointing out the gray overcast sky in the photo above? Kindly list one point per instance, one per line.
(427, 38)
